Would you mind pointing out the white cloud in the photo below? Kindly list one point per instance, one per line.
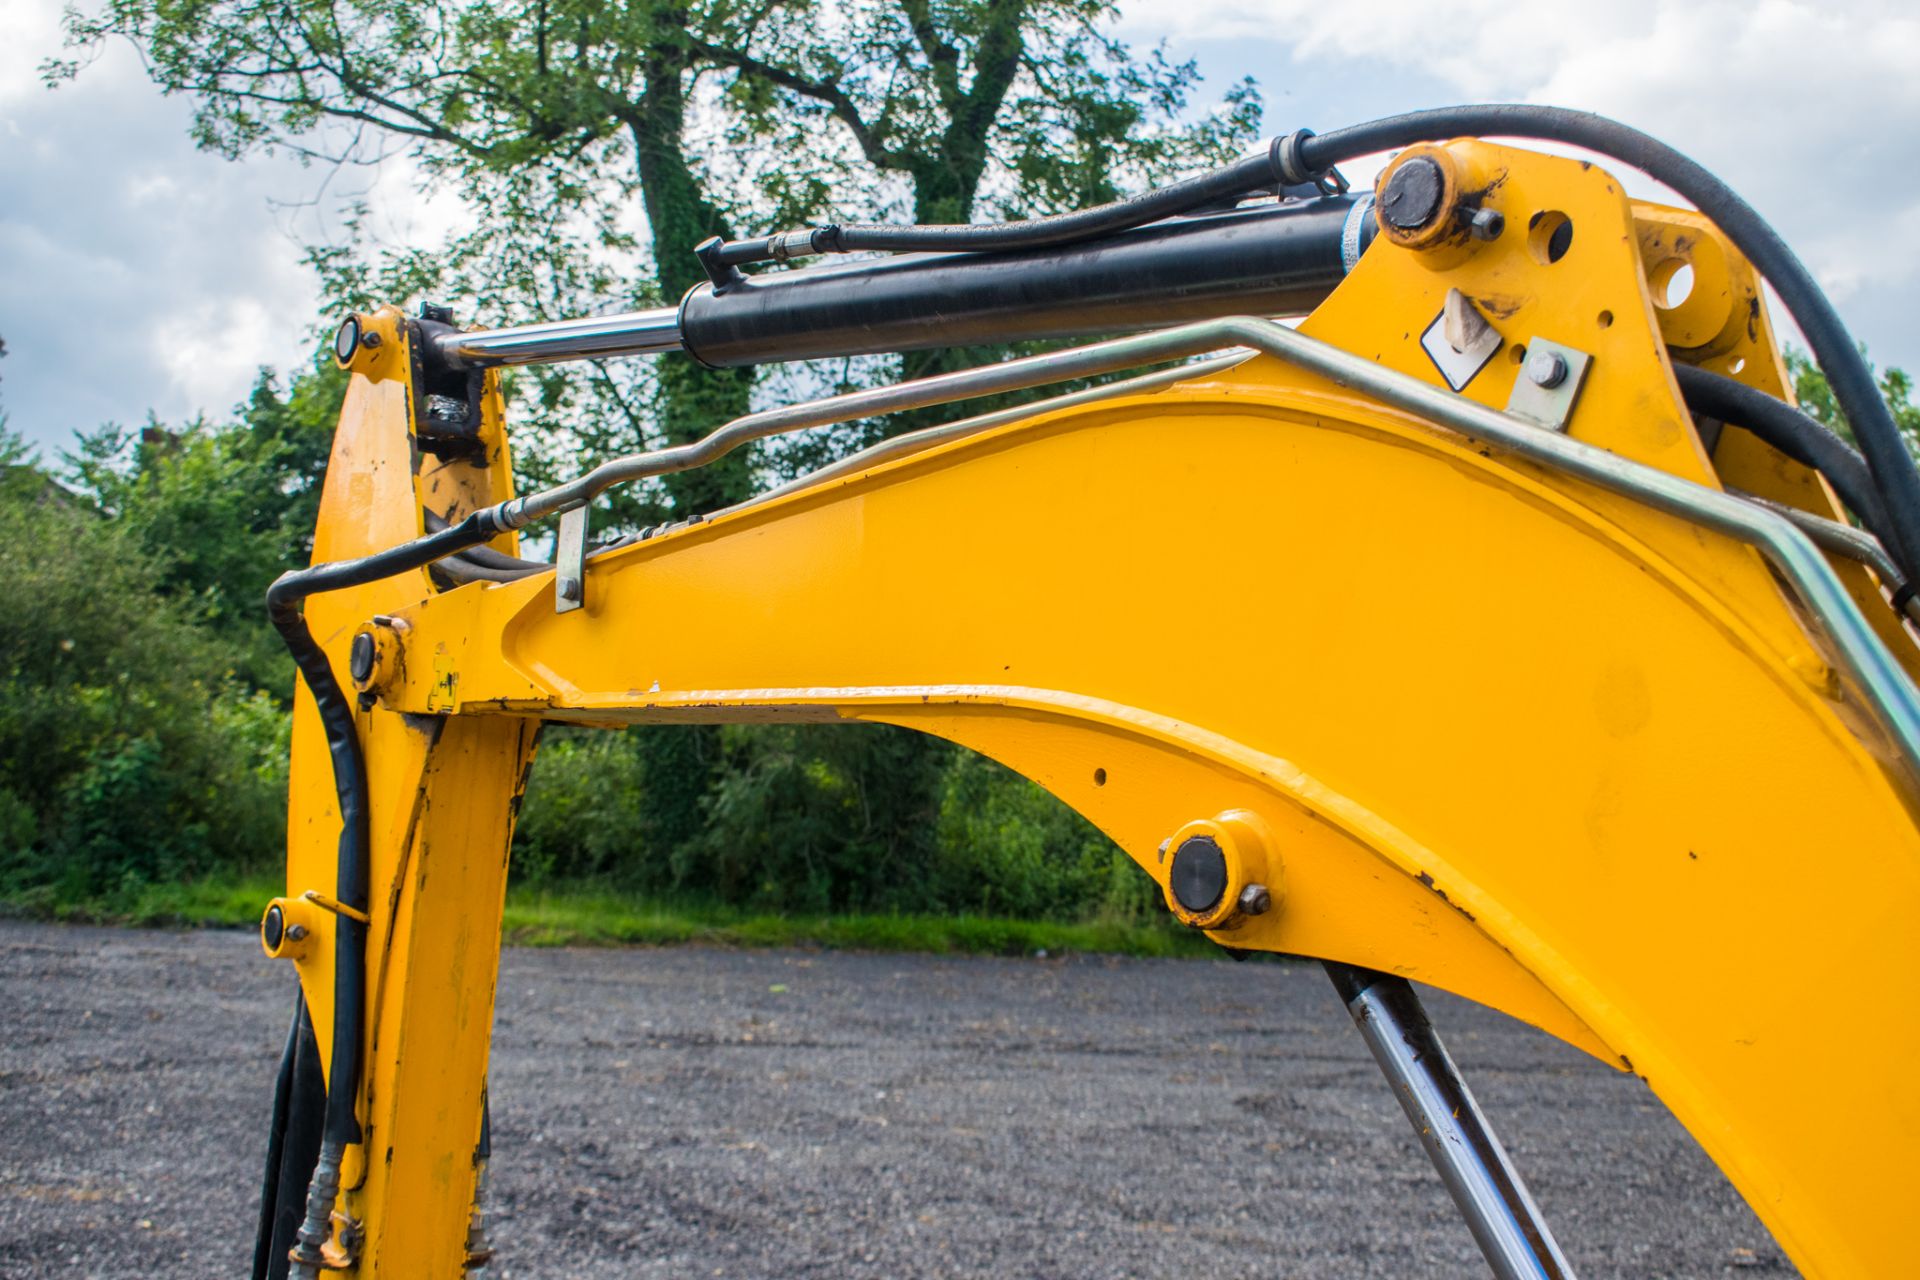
(137, 273)
(1810, 111)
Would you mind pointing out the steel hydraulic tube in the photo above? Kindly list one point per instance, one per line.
(1505, 1222)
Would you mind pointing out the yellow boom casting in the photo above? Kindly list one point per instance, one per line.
(1447, 705)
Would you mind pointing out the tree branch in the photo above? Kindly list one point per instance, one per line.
(841, 105)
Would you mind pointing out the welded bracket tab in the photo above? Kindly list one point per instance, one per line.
(570, 561)
(1549, 384)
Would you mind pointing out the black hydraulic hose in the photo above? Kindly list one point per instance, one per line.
(284, 599)
(459, 570)
(483, 556)
(1792, 433)
(1278, 165)
(271, 1200)
(1893, 471)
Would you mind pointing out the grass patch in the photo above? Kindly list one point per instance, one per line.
(214, 902)
(599, 917)
(586, 917)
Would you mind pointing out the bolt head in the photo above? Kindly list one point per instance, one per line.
(1546, 369)
(570, 590)
(1256, 900)
(1411, 198)
(1486, 224)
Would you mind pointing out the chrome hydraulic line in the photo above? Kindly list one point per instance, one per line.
(1506, 1223)
(927, 437)
(631, 333)
(1845, 540)
(1891, 695)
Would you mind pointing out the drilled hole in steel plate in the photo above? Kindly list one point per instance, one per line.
(1672, 283)
(1604, 319)
(1549, 236)
(1099, 777)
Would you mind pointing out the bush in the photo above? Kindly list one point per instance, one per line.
(584, 813)
(127, 751)
(1009, 847)
(806, 819)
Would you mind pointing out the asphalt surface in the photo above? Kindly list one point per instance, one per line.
(695, 1112)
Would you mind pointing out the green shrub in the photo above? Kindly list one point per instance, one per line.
(128, 754)
(585, 812)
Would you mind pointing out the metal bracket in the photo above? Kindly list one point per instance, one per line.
(1549, 383)
(1460, 341)
(570, 561)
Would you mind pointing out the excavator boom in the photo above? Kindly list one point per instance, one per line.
(1436, 638)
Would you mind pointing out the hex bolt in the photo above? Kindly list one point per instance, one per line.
(1486, 224)
(295, 932)
(1255, 900)
(1546, 369)
(570, 589)
(1411, 198)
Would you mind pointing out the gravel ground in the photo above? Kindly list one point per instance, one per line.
(698, 1112)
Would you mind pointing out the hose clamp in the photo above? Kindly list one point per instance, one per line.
(789, 245)
(1351, 231)
(1284, 156)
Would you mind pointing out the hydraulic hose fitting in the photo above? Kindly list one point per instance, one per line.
(309, 1253)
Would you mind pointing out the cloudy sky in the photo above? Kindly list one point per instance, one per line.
(138, 275)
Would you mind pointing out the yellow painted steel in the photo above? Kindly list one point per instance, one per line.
(1471, 721)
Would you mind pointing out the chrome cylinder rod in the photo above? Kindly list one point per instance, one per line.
(1505, 1222)
(631, 333)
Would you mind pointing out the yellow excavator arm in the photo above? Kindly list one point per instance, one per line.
(1439, 638)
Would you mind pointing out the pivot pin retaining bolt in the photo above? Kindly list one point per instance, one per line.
(1255, 900)
(1486, 224)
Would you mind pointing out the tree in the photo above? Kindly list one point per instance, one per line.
(222, 510)
(1816, 399)
(548, 117)
(127, 753)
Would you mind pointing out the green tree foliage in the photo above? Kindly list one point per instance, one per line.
(220, 511)
(130, 753)
(990, 841)
(1816, 399)
(550, 120)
